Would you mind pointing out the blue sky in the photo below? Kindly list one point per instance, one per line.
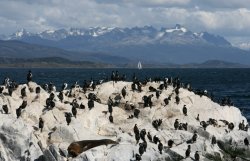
(229, 18)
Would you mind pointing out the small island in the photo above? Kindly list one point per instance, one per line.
(147, 120)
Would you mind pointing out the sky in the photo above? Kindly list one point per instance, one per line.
(228, 18)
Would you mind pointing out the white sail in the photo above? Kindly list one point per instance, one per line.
(139, 65)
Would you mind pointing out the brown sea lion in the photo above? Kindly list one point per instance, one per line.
(78, 147)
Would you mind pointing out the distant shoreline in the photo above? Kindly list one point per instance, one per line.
(76, 67)
(57, 62)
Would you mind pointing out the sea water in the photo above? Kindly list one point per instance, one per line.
(233, 83)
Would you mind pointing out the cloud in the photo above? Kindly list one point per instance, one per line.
(158, 3)
(224, 17)
(146, 2)
(221, 4)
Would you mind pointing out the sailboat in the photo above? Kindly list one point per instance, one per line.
(139, 65)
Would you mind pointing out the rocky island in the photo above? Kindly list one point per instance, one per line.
(119, 121)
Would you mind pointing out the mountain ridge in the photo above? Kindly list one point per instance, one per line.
(58, 62)
(21, 50)
(177, 45)
(147, 34)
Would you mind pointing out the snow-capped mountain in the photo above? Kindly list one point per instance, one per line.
(165, 45)
(125, 36)
(54, 35)
(20, 34)
(243, 46)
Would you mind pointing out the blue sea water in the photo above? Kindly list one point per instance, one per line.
(234, 83)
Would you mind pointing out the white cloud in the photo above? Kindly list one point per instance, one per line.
(214, 4)
(232, 19)
(158, 2)
(225, 17)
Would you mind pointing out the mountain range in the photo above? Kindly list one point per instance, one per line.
(177, 45)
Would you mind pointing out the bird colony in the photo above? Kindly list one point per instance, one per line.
(148, 121)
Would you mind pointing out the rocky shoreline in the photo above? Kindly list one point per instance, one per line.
(22, 138)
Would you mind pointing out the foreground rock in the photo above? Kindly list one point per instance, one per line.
(21, 138)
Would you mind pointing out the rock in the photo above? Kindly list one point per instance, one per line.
(20, 136)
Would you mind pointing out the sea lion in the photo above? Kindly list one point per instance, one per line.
(78, 147)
